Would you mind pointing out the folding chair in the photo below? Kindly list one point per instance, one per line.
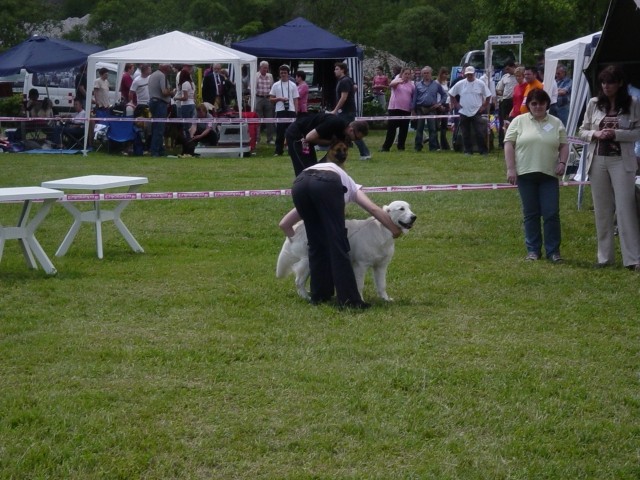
(120, 133)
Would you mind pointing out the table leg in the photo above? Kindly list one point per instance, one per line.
(124, 231)
(98, 228)
(23, 221)
(31, 228)
(1, 241)
(73, 231)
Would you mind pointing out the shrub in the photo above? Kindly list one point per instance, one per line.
(10, 106)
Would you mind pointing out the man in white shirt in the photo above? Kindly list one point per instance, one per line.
(101, 92)
(284, 95)
(504, 90)
(139, 91)
(74, 129)
(474, 99)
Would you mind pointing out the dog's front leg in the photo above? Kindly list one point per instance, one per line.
(380, 279)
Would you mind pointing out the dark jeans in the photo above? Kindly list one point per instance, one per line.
(442, 125)
(319, 199)
(158, 109)
(74, 133)
(504, 109)
(540, 196)
(190, 145)
(299, 159)
(392, 125)
(479, 127)
(281, 128)
(431, 128)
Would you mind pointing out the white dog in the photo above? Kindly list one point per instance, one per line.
(372, 246)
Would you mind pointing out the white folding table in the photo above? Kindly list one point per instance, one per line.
(97, 184)
(25, 230)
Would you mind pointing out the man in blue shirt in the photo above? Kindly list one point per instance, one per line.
(427, 99)
(564, 84)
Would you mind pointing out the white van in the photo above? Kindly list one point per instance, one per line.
(59, 86)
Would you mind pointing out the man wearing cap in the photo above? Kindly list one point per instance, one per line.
(474, 100)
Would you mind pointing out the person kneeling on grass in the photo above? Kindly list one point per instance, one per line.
(201, 132)
(319, 194)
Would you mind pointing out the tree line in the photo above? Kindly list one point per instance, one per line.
(435, 32)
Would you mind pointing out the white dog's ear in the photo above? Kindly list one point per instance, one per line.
(386, 208)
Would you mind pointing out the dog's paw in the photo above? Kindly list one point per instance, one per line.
(304, 294)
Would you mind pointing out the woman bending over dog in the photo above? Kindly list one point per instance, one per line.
(319, 194)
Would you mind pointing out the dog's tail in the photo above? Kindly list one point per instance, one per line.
(286, 260)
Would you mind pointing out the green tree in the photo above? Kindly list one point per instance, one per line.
(418, 35)
(20, 19)
(544, 22)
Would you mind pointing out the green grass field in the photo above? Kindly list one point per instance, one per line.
(192, 361)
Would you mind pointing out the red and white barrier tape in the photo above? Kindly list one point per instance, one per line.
(235, 120)
(84, 197)
(225, 120)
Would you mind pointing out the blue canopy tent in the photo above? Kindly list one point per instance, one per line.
(300, 39)
(43, 54)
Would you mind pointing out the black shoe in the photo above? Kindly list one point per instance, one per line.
(360, 305)
(602, 265)
(319, 300)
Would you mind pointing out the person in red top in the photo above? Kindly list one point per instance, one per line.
(380, 87)
(303, 91)
(126, 81)
(532, 82)
(518, 94)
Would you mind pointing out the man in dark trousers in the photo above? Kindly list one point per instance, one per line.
(319, 129)
(346, 103)
(213, 87)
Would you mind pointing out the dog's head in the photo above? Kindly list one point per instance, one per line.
(401, 214)
(338, 152)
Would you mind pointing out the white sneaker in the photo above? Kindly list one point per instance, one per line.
(365, 157)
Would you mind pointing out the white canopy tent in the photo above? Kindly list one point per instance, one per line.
(172, 47)
(579, 51)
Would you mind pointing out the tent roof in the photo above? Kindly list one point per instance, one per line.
(298, 39)
(571, 49)
(43, 54)
(174, 47)
(617, 44)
